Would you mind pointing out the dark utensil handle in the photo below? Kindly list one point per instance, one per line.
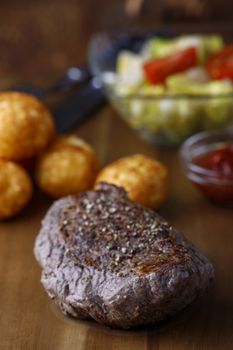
(72, 78)
(78, 107)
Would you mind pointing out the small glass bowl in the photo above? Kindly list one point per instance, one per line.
(162, 120)
(207, 181)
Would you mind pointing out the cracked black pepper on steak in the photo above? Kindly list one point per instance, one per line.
(111, 260)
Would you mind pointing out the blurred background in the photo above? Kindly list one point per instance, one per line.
(39, 39)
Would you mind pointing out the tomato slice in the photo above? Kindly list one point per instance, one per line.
(220, 65)
(157, 70)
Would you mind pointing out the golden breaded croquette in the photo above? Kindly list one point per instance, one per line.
(144, 178)
(15, 189)
(68, 166)
(26, 126)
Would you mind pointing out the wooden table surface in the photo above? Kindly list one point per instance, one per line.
(28, 319)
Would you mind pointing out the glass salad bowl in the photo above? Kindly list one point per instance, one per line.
(164, 116)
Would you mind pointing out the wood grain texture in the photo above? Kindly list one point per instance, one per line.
(28, 319)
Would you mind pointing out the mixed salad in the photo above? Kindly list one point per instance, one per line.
(173, 71)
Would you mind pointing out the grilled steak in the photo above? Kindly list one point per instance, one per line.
(106, 258)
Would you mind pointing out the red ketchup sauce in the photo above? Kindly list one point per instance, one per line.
(219, 181)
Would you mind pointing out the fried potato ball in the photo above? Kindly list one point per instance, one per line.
(26, 126)
(68, 166)
(144, 178)
(15, 189)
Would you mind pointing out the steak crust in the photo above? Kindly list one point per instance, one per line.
(111, 260)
